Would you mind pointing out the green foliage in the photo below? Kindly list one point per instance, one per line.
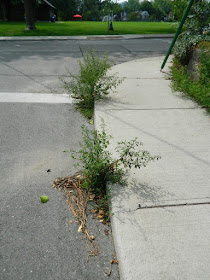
(92, 83)
(117, 9)
(97, 163)
(90, 9)
(132, 6)
(178, 8)
(157, 9)
(66, 8)
(129, 157)
(196, 88)
(133, 16)
(146, 6)
(161, 8)
(204, 67)
(184, 46)
(86, 112)
(192, 31)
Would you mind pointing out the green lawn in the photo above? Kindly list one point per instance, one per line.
(69, 28)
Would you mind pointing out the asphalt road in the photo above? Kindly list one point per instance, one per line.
(35, 66)
(37, 240)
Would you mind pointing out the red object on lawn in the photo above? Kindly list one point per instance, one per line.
(77, 17)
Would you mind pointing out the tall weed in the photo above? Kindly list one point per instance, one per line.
(97, 163)
(92, 83)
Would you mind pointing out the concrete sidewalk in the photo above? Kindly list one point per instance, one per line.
(161, 220)
(86, 37)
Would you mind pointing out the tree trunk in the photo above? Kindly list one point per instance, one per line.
(29, 10)
(3, 11)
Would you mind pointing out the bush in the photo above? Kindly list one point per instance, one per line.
(196, 88)
(97, 163)
(192, 31)
(92, 83)
(204, 67)
(184, 46)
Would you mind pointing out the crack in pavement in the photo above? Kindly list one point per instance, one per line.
(160, 139)
(162, 206)
(170, 205)
(28, 76)
(148, 109)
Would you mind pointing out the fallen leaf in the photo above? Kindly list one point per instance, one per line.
(99, 216)
(106, 232)
(91, 237)
(114, 261)
(101, 212)
(70, 221)
(92, 196)
(108, 272)
(44, 198)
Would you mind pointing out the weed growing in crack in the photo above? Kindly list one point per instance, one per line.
(97, 162)
(98, 168)
(92, 83)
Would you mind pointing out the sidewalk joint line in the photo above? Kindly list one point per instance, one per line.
(26, 75)
(138, 78)
(129, 51)
(122, 121)
(171, 205)
(36, 76)
(152, 109)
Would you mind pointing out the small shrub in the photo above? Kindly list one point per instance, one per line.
(97, 163)
(192, 32)
(92, 83)
(184, 46)
(204, 67)
(197, 89)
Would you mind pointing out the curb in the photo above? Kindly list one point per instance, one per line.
(89, 37)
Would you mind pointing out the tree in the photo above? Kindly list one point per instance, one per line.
(146, 6)
(91, 9)
(115, 7)
(192, 30)
(199, 10)
(133, 16)
(3, 10)
(178, 8)
(29, 6)
(132, 6)
(66, 8)
(162, 8)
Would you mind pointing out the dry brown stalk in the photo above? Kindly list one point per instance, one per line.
(77, 200)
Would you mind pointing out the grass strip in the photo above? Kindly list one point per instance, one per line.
(71, 28)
